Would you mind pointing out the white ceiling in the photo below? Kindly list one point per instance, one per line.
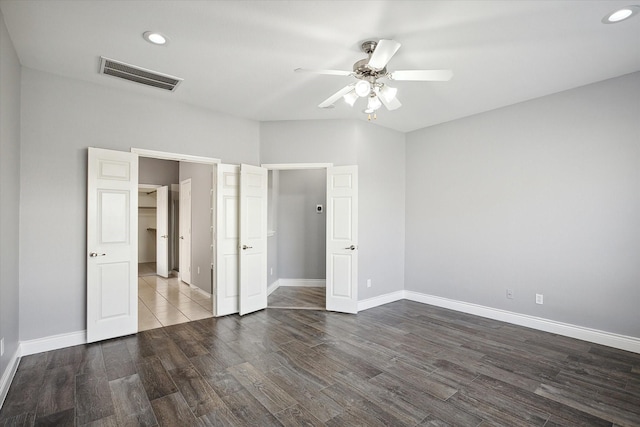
(238, 57)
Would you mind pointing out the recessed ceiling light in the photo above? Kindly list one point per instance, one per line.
(155, 38)
(621, 14)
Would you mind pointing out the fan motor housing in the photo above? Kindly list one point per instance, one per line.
(362, 70)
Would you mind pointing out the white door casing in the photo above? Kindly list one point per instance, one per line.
(162, 231)
(185, 231)
(342, 239)
(253, 239)
(112, 244)
(226, 220)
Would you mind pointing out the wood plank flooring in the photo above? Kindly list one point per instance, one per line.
(401, 364)
(298, 297)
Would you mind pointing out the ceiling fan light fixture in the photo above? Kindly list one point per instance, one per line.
(388, 93)
(620, 15)
(363, 88)
(350, 98)
(373, 104)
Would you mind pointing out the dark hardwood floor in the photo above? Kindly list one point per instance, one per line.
(402, 364)
(305, 297)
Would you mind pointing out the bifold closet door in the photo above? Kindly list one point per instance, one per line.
(253, 239)
(112, 244)
(342, 239)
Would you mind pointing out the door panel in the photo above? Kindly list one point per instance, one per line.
(112, 243)
(226, 287)
(253, 239)
(185, 231)
(342, 239)
(162, 231)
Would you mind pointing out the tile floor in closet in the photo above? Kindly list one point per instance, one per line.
(164, 302)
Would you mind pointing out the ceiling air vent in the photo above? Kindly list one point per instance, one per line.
(138, 75)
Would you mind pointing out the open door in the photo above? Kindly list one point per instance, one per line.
(225, 267)
(162, 231)
(342, 239)
(253, 239)
(112, 244)
(185, 231)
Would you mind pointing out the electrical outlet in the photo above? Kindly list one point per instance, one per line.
(368, 283)
(2, 347)
(510, 293)
(539, 299)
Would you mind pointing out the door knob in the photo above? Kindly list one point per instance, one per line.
(245, 247)
(182, 237)
(352, 247)
(164, 236)
(95, 254)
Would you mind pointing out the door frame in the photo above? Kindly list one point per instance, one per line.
(184, 227)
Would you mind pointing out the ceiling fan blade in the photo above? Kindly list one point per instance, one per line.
(327, 72)
(422, 75)
(383, 53)
(391, 104)
(333, 98)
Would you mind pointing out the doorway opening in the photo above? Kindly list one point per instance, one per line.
(296, 243)
(174, 241)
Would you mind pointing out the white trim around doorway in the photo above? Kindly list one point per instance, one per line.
(163, 155)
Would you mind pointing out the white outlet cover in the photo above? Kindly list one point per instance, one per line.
(539, 299)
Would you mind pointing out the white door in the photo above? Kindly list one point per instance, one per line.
(185, 231)
(225, 266)
(112, 244)
(162, 231)
(342, 239)
(253, 239)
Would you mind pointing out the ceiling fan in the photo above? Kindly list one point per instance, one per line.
(369, 71)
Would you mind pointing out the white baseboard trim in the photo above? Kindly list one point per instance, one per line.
(312, 283)
(380, 300)
(621, 342)
(272, 287)
(200, 290)
(53, 342)
(7, 377)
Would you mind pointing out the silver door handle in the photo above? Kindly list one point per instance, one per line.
(245, 247)
(95, 254)
(352, 247)
(182, 237)
(165, 236)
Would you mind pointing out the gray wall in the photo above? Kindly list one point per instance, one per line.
(158, 171)
(301, 232)
(9, 195)
(540, 197)
(380, 156)
(61, 117)
(201, 217)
